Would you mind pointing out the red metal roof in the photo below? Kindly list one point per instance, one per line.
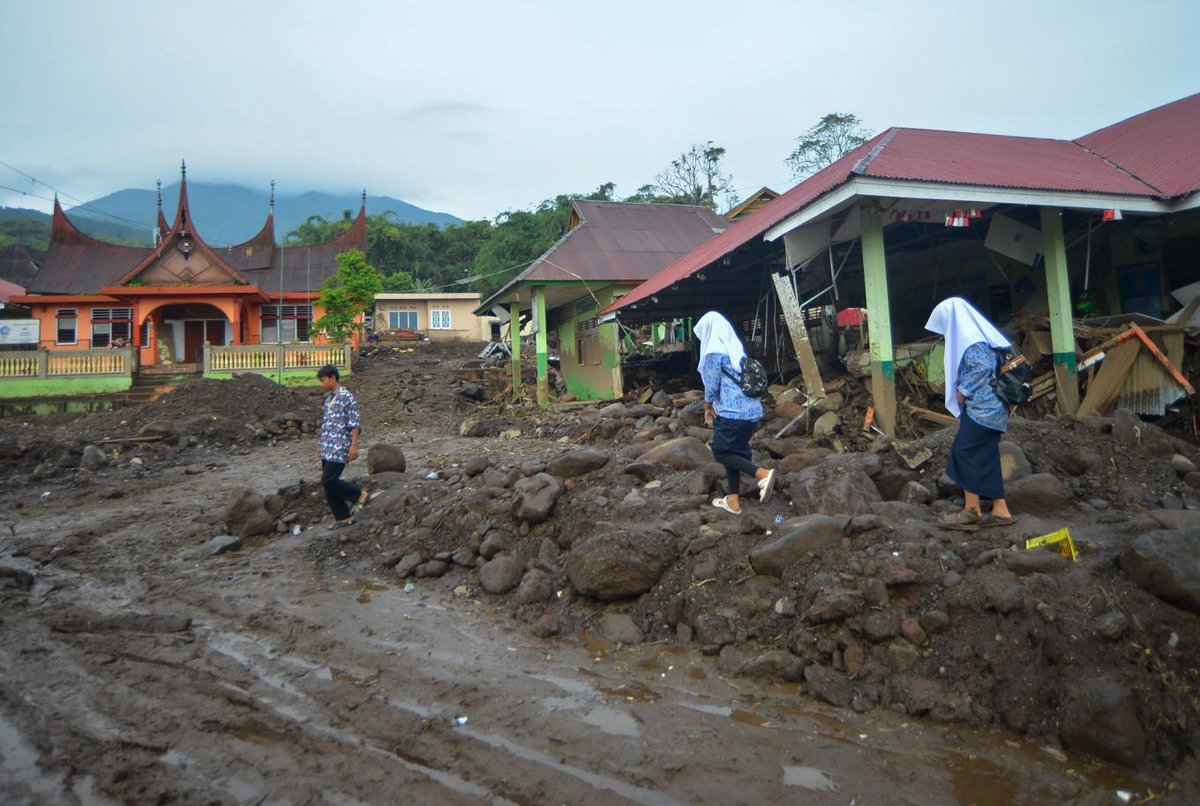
(1111, 161)
(753, 225)
(1159, 146)
(621, 242)
(992, 160)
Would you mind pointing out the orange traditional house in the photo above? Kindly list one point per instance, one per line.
(167, 302)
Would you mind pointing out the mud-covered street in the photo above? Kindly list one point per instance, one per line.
(499, 628)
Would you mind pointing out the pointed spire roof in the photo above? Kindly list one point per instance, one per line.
(77, 263)
(162, 224)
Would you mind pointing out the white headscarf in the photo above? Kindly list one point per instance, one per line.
(718, 336)
(962, 326)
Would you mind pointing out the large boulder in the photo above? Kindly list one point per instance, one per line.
(1039, 494)
(1100, 717)
(384, 458)
(534, 497)
(796, 538)
(615, 563)
(685, 453)
(246, 514)
(1166, 563)
(834, 487)
(577, 463)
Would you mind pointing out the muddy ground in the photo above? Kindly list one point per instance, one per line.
(637, 646)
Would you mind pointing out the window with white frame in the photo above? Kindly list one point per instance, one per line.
(286, 323)
(439, 320)
(402, 320)
(66, 326)
(111, 325)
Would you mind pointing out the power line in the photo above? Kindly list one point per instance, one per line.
(80, 204)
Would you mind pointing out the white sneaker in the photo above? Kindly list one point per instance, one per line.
(766, 487)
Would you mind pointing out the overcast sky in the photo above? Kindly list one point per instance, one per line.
(474, 108)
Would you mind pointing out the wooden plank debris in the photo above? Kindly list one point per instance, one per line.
(814, 387)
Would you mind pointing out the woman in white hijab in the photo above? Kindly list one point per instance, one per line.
(732, 415)
(970, 364)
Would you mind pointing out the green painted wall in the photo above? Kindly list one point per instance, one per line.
(12, 388)
(589, 381)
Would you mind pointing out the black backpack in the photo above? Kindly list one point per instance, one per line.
(1014, 377)
(753, 380)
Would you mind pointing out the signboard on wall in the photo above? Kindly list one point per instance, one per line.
(20, 331)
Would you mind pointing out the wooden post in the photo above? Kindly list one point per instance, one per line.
(514, 334)
(879, 317)
(43, 363)
(1058, 297)
(814, 387)
(543, 353)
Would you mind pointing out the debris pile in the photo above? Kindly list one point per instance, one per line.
(845, 582)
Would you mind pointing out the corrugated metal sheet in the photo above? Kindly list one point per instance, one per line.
(990, 160)
(621, 242)
(1105, 162)
(1148, 388)
(1158, 146)
(76, 263)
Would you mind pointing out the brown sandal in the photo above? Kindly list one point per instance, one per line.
(993, 521)
(964, 521)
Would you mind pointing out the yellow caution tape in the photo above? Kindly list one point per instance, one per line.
(1066, 546)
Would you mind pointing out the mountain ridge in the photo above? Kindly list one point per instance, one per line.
(224, 214)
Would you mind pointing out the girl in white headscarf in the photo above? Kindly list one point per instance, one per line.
(970, 364)
(732, 415)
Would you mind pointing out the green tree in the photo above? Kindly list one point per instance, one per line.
(348, 293)
(316, 229)
(834, 136)
(695, 177)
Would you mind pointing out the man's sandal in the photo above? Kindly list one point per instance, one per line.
(963, 521)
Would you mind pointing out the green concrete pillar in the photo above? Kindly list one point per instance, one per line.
(879, 318)
(514, 334)
(543, 354)
(1058, 297)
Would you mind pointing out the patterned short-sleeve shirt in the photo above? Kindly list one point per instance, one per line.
(340, 418)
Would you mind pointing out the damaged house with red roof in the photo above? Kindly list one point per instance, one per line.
(1102, 225)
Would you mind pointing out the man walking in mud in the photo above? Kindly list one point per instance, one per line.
(338, 445)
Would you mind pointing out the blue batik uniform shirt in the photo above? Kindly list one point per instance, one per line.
(976, 379)
(724, 392)
(340, 418)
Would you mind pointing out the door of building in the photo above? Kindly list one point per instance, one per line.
(193, 342)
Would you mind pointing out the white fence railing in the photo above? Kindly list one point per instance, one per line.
(67, 363)
(267, 358)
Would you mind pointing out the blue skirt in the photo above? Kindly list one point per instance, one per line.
(732, 437)
(975, 459)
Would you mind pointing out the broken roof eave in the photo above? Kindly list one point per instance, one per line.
(874, 187)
